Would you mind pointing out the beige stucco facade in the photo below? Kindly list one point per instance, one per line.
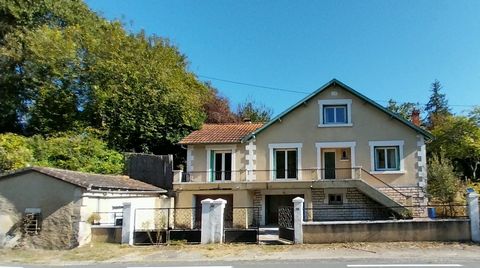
(302, 129)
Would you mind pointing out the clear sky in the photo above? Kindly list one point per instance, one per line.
(384, 48)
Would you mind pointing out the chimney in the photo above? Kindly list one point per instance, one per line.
(247, 120)
(416, 117)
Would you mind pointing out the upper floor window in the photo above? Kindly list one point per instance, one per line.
(386, 156)
(285, 161)
(221, 162)
(335, 113)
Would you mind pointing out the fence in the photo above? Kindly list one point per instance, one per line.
(162, 225)
(285, 223)
(345, 213)
(241, 175)
(241, 224)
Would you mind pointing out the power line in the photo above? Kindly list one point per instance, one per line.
(296, 91)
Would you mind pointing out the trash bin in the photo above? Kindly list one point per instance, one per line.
(431, 213)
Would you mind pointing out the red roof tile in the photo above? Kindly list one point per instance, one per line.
(220, 133)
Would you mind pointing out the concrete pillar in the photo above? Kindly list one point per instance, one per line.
(206, 236)
(473, 214)
(212, 220)
(128, 223)
(298, 219)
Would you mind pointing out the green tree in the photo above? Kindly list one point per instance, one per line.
(80, 152)
(14, 152)
(474, 115)
(67, 68)
(443, 184)
(404, 109)
(253, 111)
(459, 138)
(437, 107)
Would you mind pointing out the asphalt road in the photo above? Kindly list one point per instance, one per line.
(391, 263)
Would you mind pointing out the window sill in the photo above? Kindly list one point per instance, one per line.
(336, 125)
(285, 180)
(388, 172)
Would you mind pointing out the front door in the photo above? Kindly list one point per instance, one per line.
(329, 164)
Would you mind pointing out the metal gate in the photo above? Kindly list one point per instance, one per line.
(285, 223)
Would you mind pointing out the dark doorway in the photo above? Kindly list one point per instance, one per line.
(329, 158)
(273, 202)
(228, 207)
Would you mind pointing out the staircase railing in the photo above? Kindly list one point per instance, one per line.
(386, 184)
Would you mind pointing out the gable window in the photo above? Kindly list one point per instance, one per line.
(285, 163)
(335, 113)
(386, 157)
(221, 162)
(335, 199)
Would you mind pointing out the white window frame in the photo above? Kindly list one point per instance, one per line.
(397, 143)
(347, 102)
(209, 150)
(297, 146)
(342, 192)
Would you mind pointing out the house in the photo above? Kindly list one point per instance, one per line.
(336, 148)
(54, 208)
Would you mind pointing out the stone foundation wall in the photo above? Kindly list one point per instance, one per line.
(356, 206)
(257, 202)
(418, 200)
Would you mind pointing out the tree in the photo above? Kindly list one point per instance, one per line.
(474, 115)
(437, 106)
(80, 152)
(65, 68)
(253, 111)
(217, 108)
(443, 184)
(404, 109)
(459, 138)
(14, 152)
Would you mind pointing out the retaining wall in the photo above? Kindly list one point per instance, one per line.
(387, 231)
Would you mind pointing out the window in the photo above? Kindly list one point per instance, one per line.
(221, 162)
(335, 199)
(285, 163)
(335, 114)
(387, 158)
(32, 220)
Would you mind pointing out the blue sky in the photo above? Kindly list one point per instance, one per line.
(384, 49)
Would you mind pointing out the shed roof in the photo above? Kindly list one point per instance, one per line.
(220, 133)
(90, 180)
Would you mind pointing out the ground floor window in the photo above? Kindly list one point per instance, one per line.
(335, 199)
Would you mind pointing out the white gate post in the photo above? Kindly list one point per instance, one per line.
(473, 214)
(217, 219)
(128, 223)
(212, 220)
(298, 219)
(206, 223)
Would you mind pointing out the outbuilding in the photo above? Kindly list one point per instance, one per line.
(54, 208)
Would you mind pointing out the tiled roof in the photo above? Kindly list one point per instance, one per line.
(220, 133)
(90, 180)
